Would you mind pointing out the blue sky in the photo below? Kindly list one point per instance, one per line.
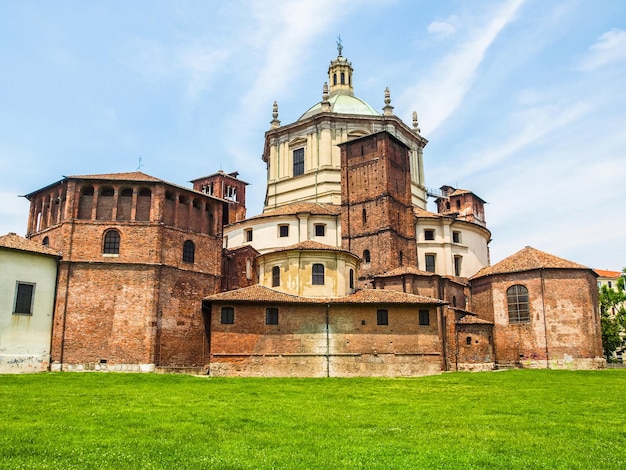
(523, 102)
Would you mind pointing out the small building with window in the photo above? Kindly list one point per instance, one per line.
(28, 273)
(544, 311)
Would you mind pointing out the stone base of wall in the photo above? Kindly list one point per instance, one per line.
(99, 367)
(476, 367)
(345, 365)
(15, 364)
(565, 363)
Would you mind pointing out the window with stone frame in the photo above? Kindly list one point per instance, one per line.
(424, 317)
(283, 231)
(320, 230)
(382, 316)
(248, 234)
(518, 304)
(429, 234)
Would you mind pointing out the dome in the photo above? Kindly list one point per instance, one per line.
(342, 104)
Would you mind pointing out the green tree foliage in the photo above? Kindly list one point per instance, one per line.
(613, 316)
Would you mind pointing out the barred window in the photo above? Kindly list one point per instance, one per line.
(318, 274)
(189, 251)
(111, 242)
(382, 317)
(298, 162)
(517, 299)
(228, 315)
(24, 298)
(271, 316)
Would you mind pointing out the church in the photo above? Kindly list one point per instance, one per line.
(344, 273)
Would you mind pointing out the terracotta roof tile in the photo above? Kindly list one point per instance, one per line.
(403, 270)
(472, 319)
(424, 213)
(127, 176)
(15, 242)
(312, 246)
(258, 293)
(528, 259)
(313, 208)
(606, 273)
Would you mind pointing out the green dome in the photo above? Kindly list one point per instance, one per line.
(342, 104)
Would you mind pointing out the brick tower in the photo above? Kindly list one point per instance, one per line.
(376, 212)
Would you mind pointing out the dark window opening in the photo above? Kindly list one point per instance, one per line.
(111, 242)
(429, 234)
(249, 235)
(320, 230)
(457, 265)
(271, 316)
(343, 78)
(46, 241)
(366, 256)
(24, 299)
(283, 230)
(275, 276)
(364, 216)
(189, 251)
(430, 263)
(318, 274)
(382, 317)
(424, 317)
(468, 340)
(458, 204)
(517, 300)
(352, 279)
(228, 316)
(298, 162)
(401, 258)
(456, 237)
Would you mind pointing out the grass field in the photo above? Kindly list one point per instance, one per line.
(512, 419)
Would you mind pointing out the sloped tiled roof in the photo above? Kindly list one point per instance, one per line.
(15, 242)
(427, 214)
(126, 176)
(313, 208)
(606, 273)
(258, 293)
(528, 259)
(312, 246)
(472, 319)
(403, 270)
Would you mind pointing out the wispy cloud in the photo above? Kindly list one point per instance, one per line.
(444, 28)
(609, 48)
(437, 96)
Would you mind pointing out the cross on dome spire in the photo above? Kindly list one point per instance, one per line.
(339, 45)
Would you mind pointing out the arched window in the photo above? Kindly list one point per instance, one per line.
(46, 241)
(189, 251)
(364, 216)
(468, 340)
(111, 242)
(366, 256)
(275, 276)
(517, 299)
(318, 274)
(343, 78)
(334, 78)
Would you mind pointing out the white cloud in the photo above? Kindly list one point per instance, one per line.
(437, 96)
(444, 28)
(610, 47)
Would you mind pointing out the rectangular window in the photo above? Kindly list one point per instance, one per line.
(457, 265)
(456, 237)
(429, 234)
(271, 316)
(430, 263)
(283, 231)
(320, 230)
(298, 162)
(24, 294)
(249, 235)
(424, 317)
(228, 315)
(382, 317)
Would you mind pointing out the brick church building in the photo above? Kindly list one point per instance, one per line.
(345, 272)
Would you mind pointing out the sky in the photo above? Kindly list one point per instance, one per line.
(523, 101)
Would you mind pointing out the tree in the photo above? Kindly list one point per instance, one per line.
(612, 316)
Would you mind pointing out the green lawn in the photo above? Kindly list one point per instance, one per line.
(510, 419)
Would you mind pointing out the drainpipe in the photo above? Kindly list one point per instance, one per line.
(327, 341)
(545, 324)
(442, 324)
